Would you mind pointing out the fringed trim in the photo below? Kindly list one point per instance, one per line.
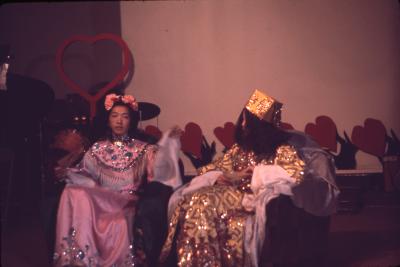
(123, 176)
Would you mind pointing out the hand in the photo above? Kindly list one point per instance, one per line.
(235, 178)
(248, 172)
(176, 132)
(60, 173)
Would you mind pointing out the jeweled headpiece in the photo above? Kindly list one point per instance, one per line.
(127, 99)
(263, 106)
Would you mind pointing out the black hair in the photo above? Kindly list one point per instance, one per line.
(133, 116)
(101, 128)
(259, 136)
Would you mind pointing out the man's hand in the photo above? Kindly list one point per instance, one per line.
(60, 170)
(60, 173)
(232, 177)
(176, 132)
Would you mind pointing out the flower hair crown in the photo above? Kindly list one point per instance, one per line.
(127, 99)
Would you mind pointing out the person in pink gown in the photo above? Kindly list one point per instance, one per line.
(97, 206)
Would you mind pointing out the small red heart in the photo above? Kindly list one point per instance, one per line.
(191, 139)
(371, 138)
(91, 40)
(323, 132)
(153, 131)
(226, 134)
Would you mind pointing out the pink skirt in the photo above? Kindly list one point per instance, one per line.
(94, 227)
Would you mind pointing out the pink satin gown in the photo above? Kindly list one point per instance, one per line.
(97, 208)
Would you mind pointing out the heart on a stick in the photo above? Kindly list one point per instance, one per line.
(323, 132)
(191, 139)
(226, 134)
(92, 40)
(371, 138)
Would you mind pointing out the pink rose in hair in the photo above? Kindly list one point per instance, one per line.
(109, 101)
(127, 99)
(131, 101)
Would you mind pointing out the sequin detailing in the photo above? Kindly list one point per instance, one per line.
(263, 106)
(211, 231)
(212, 219)
(118, 156)
(72, 254)
(287, 158)
(236, 159)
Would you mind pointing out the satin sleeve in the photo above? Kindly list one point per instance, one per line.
(318, 192)
(86, 173)
(165, 161)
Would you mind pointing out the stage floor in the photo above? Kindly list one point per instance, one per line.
(368, 237)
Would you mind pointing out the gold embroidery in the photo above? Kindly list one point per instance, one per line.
(211, 228)
(211, 220)
(288, 159)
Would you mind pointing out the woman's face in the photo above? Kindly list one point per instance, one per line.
(119, 120)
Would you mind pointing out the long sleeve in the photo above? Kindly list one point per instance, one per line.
(165, 167)
(318, 192)
(85, 174)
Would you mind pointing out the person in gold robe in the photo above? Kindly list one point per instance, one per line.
(220, 217)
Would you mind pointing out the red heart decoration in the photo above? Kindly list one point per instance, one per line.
(153, 131)
(226, 134)
(371, 138)
(323, 132)
(191, 139)
(91, 40)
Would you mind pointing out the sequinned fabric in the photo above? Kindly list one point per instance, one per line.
(236, 159)
(209, 223)
(95, 218)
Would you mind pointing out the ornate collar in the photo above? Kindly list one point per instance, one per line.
(120, 141)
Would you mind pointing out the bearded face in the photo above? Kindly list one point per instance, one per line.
(245, 131)
(257, 135)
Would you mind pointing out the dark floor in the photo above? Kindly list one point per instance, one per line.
(369, 236)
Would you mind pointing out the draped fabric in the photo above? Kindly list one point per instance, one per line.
(219, 220)
(94, 227)
(216, 223)
(97, 208)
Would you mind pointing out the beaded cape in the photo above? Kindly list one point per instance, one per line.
(115, 163)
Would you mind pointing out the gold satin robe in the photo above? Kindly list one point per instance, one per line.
(208, 224)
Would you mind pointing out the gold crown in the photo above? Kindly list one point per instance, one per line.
(263, 106)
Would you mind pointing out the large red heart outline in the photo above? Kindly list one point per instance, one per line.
(226, 134)
(191, 139)
(371, 138)
(92, 40)
(324, 132)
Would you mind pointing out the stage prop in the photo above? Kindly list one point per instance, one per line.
(92, 99)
